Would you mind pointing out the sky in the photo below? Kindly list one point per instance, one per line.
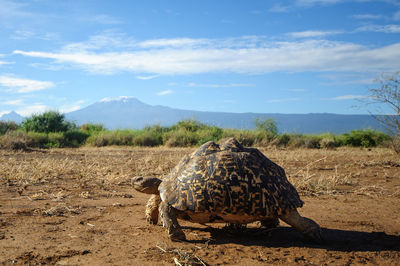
(291, 56)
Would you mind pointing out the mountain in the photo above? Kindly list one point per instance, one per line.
(12, 116)
(129, 112)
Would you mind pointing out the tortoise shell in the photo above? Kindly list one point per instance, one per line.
(229, 179)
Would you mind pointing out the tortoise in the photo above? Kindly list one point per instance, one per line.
(224, 183)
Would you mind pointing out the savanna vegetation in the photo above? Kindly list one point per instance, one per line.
(52, 130)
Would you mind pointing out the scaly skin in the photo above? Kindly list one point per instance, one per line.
(152, 207)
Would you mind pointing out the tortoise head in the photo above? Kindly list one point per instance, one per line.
(148, 185)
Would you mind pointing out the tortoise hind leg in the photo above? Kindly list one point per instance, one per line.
(152, 207)
(168, 218)
(306, 226)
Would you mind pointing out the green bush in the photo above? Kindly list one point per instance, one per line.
(245, 137)
(268, 125)
(180, 138)
(73, 138)
(282, 140)
(51, 121)
(148, 138)
(364, 138)
(116, 137)
(190, 125)
(185, 133)
(37, 139)
(209, 134)
(92, 128)
(54, 140)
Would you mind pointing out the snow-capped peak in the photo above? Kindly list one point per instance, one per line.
(123, 99)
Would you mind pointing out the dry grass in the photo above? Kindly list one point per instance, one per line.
(182, 256)
(99, 165)
(312, 172)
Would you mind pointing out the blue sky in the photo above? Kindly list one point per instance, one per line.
(294, 56)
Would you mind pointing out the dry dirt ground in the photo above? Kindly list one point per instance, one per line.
(77, 207)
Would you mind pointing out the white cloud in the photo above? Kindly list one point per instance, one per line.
(177, 42)
(19, 85)
(296, 90)
(381, 28)
(283, 100)
(12, 9)
(314, 2)
(348, 97)
(4, 112)
(35, 108)
(22, 35)
(312, 33)
(367, 16)
(230, 85)
(166, 92)
(5, 63)
(108, 41)
(277, 8)
(25, 34)
(101, 19)
(348, 79)
(147, 77)
(246, 55)
(13, 102)
(71, 107)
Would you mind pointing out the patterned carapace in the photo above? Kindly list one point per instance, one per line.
(229, 179)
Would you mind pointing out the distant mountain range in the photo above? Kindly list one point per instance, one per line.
(12, 116)
(129, 112)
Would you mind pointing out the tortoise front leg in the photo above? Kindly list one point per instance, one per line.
(306, 226)
(152, 209)
(168, 218)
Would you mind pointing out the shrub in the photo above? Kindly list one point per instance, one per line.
(92, 128)
(358, 138)
(54, 140)
(14, 140)
(73, 138)
(267, 124)
(190, 125)
(328, 143)
(47, 122)
(148, 138)
(296, 141)
(282, 140)
(7, 126)
(180, 138)
(37, 139)
(209, 134)
(116, 137)
(245, 137)
(312, 142)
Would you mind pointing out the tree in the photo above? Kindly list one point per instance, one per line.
(387, 99)
(267, 124)
(50, 121)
